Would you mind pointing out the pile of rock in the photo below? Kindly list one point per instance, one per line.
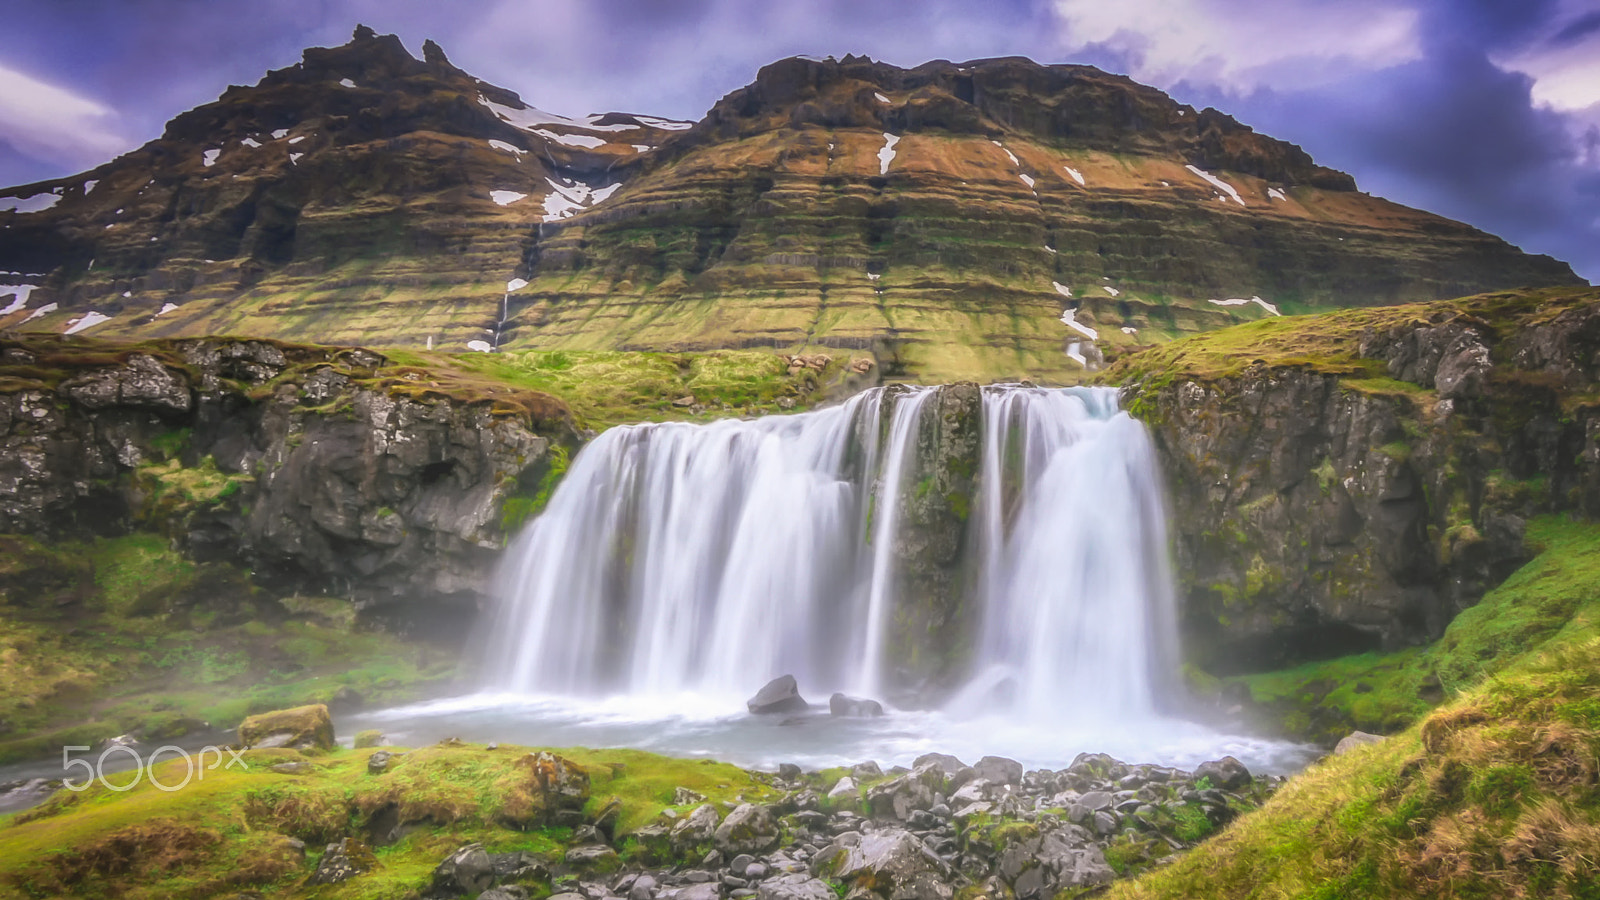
(918, 834)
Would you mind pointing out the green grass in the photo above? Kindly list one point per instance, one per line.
(191, 842)
(1386, 692)
(1492, 795)
(149, 640)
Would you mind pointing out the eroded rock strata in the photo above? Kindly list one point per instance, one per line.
(326, 470)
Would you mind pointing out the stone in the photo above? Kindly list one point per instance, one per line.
(300, 728)
(697, 828)
(682, 796)
(1226, 774)
(900, 797)
(949, 764)
(343, 861)
(643, 888)
(999, 770)
(854, 707)
(780, 695)
(795, 887)
(1356, 739)
(555, 791)
(710, 890)
(292, 767)
(891, 862)
(844, 788)
(789, 771)
(378, 762)
(592, 855)
(467, 871)
(750, 828)
(865, 770)
(370, 737)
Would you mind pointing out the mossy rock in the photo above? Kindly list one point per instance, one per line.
(303, 728)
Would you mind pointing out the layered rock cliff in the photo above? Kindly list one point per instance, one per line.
(327, 471)
(987, 220)
(1352, 481)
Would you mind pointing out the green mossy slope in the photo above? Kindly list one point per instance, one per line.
(1495, 794)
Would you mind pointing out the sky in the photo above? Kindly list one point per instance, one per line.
(1487, 111)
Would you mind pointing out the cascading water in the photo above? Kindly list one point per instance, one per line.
(1075, 586)
(679, 567)
(710, 558)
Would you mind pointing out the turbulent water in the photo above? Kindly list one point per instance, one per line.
(680, 566)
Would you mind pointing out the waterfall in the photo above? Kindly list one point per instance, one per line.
(709, 558)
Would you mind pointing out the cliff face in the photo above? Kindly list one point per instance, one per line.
(943, 217)
(1351, 482)
(327, 471)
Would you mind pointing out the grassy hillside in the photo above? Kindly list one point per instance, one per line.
(1494, 794)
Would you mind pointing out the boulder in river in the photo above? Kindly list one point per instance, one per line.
(780, 695)
(300, 728)
(854, 707)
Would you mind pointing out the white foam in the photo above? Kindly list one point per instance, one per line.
(250, 142)
(1061, 289)
(280, 134)
(41, 311)
(1076, 175)
(87, 321)
(33, 204)
(1217, 183)
(209, 158)
(1069, 318)
(509, 148)
(506, 198)
(166, 308)
(1236, 301)
(345, 82)
(480, 346)
(1276, 194)
(881, 98)
(886, 155)
(516, 284)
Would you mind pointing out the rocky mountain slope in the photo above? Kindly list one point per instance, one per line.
(993, 219)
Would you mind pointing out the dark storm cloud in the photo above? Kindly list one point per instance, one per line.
(1436, 120)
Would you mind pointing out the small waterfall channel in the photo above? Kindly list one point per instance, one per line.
(707, 558)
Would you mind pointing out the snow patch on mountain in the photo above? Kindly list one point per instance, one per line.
(41, 311)
(570, 196)
(280, 134)
(529, 118)
(665, 124)
(516, 284)
(1236, 301)
(345, 82)
(1217, 183)
(1076, 175)
(881, 98)
(1275, 194)
(1009, 155)
(30, 204)
(1061, 289)
(506, 198)
(509, 148)
(165, 308)
(86, 321)
(250, 142)
(571, 140)
(20, 294)
(1069, 317)
(209, 158)
(886, 155)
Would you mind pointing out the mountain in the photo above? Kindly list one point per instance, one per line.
(989, 219)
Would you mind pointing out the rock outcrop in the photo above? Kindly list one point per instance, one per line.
(1351, 483)
(329, 471)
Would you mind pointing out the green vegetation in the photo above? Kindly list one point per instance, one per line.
(1492, 795)
(124, 634)
(606, 388)
(230, 829)
(1386, 692)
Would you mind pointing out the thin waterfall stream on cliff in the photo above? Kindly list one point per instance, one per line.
(991, 564)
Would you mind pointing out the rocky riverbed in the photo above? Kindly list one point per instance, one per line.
(939, 829)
